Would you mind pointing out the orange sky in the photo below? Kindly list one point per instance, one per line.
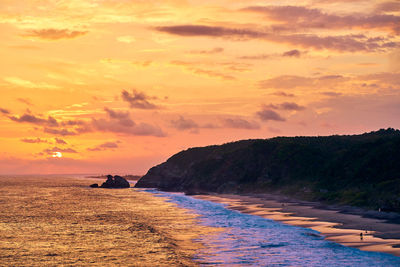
(120, 85)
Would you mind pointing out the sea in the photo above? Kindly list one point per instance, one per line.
(250, 240)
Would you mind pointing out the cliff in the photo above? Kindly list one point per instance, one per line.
(360, 170)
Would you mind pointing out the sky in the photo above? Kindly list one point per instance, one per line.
(118, 86)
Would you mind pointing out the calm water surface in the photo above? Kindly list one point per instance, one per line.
(250, 240)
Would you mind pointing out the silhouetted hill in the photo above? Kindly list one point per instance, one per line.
(360, 170)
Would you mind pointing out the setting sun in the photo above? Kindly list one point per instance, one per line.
(57, 155)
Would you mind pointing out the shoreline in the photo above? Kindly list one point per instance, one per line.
(335, 224)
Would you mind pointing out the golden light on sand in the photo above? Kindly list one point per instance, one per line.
(57, 155)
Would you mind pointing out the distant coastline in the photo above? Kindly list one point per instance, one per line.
(357, 170)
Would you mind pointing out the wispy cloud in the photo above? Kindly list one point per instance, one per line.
(295, 53)
(215, 50)
(267, 114)
(194, 68)
(60, 141)
(184, 124)
(30, 84)
(53, 34)
(140, 129)
(62, 131)
(4, 111)
(104, 146)
(239, 123)
(57, 149)
(390, 6)
(138, 99)
(294, 81)
(294, 17)
(292, 53)
(33, 140)
(286, 106)
(29, 118)
(120, 122)
(341, 43)
(25, 101)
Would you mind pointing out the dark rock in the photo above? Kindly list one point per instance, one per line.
(120, 182)
(115, 182)
(94, 185)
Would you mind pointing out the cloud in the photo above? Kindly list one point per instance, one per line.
(293, 81)
(184, 124)
(123, 117)
(340, 43)
(388, 6)
(117, 122)
(215, 50)
(33, 140)
(258, 57)
(286, 82)
(238, 123)
(63, 131)
(202, 30)
(292, 53)
(104, 146)
(53, 34)
(57, 149)
(116, 114)
(311, 18)
(267, 114)
(331, 93)
(60, 141)
(73, 123)
(138, 100)
(120, 122)
(192, 66)
(284, 94)
(28, 118)
(4, 111)
(211, 73)
(29, 84)
(286, 106)
(25, 101)
(115, 126)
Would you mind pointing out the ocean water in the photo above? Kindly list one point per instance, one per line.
(249, 240)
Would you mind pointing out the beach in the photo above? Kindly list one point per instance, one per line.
(48, 220)
(53, 220)
(336, 224)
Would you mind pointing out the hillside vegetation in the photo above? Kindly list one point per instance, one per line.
(359, 170)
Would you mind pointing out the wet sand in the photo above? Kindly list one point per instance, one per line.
(333, 224)
(61, 221)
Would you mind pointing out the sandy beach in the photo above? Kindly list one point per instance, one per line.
(61, 221)
(335, 224)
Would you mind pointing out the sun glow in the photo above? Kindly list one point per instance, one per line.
(57, 155)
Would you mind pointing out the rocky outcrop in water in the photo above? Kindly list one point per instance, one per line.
(113, 182)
